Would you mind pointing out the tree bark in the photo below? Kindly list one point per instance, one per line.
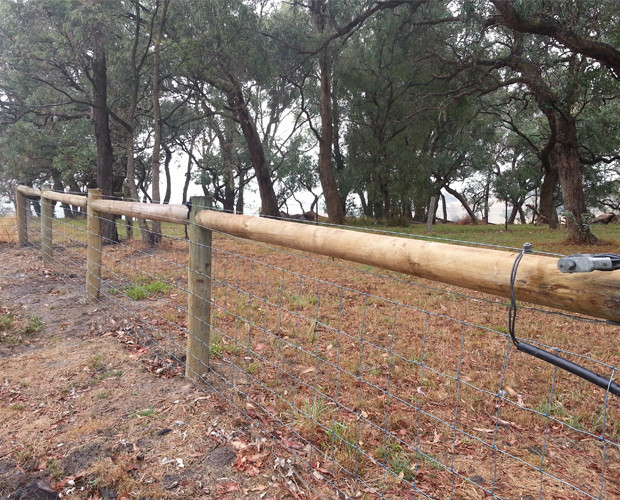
(188, 174)
(130, 120)
(101, 122)
(564, 148)
(463, 201)
(570, 173)
(547, 203)
(226, 140)
(168, 159)
(333, 201)
(157, 121)
(269, 202)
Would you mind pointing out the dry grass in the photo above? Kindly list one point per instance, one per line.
(380, 382)
(393, 381)
(8, 229)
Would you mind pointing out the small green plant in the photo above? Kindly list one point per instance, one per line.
(145, 288)
(24, 455)
(147, 412)
(96, 361)
(104, 394)
(312, 332)
(216, 347)
(35, 324)
(337, 431)
(253, 368)
(430, 461)
(107, 374)
(17, 407)
(387, 453)
(6, 321)
(54, 468)
(402, 468)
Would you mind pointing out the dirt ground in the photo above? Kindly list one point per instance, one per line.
(87, 413)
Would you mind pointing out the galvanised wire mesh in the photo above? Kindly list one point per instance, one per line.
(370, 384)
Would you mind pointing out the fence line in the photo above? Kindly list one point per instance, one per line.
(359, 382)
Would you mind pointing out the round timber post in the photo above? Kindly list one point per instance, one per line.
(199, 295)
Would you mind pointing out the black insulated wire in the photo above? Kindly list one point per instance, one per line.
(603, 382)
(615, 259)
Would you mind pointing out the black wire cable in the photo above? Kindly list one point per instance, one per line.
(554, 359)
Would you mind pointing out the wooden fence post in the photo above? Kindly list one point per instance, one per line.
(47, 209)
(128, 218)
(94, 243)
(199, 295)
(21, 205)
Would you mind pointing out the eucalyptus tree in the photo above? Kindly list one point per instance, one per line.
(404, 143)
(57, 53)
(316, 33)
(224, 58)
(526, 47)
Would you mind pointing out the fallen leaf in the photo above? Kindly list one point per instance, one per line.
(488, 431)
(229, 487)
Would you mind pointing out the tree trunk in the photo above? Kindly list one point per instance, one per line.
(566, 154)
(562, 149)
(269, 202)
(333, 201)
(129, 125)
(463, 201)
(513, 215)
(240, 200)
(444, 207)
(188, 175)
(74, 188)
(547, 202)
(547, 188)
(103, 140)
(168, 155)
(157, 122)
(226, 140)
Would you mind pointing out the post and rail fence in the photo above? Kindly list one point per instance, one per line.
(378, 395)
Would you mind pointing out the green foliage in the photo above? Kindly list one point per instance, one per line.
(422, 97)
(6, 321)
(144, 288)
(35, 324)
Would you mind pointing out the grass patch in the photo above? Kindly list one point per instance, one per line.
(6, 321)
(145, 288)
(34, 324)
(13, 327)
(107, 374)
(147, 412)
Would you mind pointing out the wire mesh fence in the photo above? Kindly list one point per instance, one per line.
(371, 384)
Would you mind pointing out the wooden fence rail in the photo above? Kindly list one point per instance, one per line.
(539, 280)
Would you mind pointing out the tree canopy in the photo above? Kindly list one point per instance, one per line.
(369, 107)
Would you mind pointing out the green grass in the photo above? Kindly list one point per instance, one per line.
(6, 321)
(35, 324)
(147, 412)
(107, 374)
(542, 238)
(144, 288)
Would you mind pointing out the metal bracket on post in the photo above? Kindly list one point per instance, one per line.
(586, 263)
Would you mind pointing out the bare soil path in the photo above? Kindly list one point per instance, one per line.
(86, 413)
